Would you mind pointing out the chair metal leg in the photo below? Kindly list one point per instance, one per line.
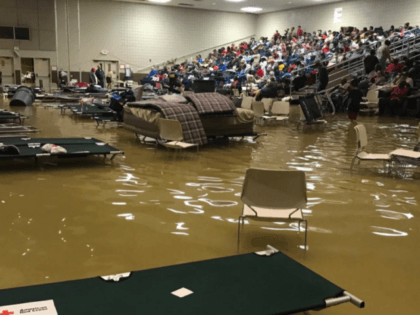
(239, 230)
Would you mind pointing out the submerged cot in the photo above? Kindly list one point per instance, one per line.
(263, 283)
(6, 115)
(75, 147)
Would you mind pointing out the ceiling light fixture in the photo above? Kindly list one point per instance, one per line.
(251, 9)
(160, 1)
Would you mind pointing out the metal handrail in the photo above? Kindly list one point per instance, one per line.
(198, 52)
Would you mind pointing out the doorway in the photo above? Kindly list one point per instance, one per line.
(42, 73)
(108, 65)
(7, 70)
(27, 71)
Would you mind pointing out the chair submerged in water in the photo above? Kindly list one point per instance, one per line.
(74, 147)
(266, 282)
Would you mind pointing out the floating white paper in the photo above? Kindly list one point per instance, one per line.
(183, 292)
(39, 308)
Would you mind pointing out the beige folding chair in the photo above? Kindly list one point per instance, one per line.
(281, 110)
(171, 130)
(138, 92)
(372, 99)
(270, 195)
(186, 93)
(362, 142)
(258, 108)
(247, 102)
(235, 92)
(268, 102)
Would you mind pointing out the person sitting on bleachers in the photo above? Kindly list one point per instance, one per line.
(152, 72)
(394, 102)
(394, 66)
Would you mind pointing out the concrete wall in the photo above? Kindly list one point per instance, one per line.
(359, 13)
(142, 35)
(38, 15)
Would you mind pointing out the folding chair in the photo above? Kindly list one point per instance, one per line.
(171, 130)
(361, 154)
(258, 108)
(235, 92)
(268, 102)
(247, 102)
(372, 102)
(281, 110)
(270, 195)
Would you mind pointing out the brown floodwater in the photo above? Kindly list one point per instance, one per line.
(78, 218)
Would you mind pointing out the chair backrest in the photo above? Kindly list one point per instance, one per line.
(361, 137)
(372, 96)
(280, 108)
(258, 108)
(170, 129)
(235, 92)
(186, 93)
(138, 92)
(247, 102)
(268, 102)
(274, 189)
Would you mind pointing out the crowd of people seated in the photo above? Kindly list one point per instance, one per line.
(266, 67)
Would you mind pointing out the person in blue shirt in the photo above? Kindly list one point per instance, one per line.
(152, 72)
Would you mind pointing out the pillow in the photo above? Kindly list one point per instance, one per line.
(175, 98)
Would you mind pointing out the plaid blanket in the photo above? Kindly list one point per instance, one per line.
(192, 128)
(212, 103)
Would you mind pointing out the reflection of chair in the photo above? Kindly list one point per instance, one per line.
(417, 147)
(272, 196)
(247, 102)
(171, 130)
(362, 142)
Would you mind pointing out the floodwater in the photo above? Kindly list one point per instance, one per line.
(78, 218)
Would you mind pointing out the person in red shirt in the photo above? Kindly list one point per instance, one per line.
(260, 72)
(326, 48)
(299, 31)
(346, 47)
(395, 66)
(276, 35)
(395, 102)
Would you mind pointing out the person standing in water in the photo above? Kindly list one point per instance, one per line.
(354, 99)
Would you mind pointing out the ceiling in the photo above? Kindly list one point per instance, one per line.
(223, 5)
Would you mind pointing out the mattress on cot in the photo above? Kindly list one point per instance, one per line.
(75, 147)
(244, 284)
(146, 122)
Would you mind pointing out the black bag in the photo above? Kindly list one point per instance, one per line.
(115, 105)
(108, 80)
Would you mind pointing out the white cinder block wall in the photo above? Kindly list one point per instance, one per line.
(135, 33)
(358, 13)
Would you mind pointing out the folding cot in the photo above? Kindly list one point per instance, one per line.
(6, 115)
(266, 282)
(15, 128)
(75, 147)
